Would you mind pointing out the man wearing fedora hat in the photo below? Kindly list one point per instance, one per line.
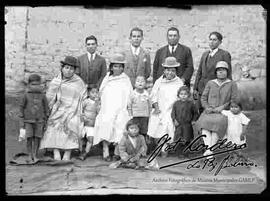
(92, 66)
(182, 54)
(163, 96)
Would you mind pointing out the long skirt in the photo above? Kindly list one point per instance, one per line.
(214, 122)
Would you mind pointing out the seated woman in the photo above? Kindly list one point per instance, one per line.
(65, 95)
(217, 96)
(115, 90)
(163, 96)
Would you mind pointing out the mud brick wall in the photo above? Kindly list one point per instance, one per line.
(36, 39)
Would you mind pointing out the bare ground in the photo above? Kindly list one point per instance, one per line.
(93, 176)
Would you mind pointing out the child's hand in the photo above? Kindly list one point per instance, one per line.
(176, 123)
(83, 117)
(243, 136)
(218, 109)
(156, 111)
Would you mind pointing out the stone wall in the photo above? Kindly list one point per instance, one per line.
(36, 39)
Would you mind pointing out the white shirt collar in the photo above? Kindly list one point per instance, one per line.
(89, 56)
(220, 84)
(135, 51)
(133, 141)
(213, 52)
(170, 48)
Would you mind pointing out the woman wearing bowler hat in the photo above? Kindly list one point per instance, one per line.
(115, 90)
(65, 95)
(163, 96)
(217, 96)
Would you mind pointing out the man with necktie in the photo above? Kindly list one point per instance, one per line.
(207, 66)
(182, 54)
(92, 66)
(137, 58)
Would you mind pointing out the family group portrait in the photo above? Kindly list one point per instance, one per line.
(135, 100)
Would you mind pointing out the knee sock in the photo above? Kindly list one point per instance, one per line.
(105, 149)
(56, 154)
(88, 147)
(214, 138)
(67, 155)
(29, 146)
(208, 139)
(36, 142)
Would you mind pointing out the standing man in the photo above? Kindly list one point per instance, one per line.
(207, 66)
(92, 67)
(138, 59)
(182, 54)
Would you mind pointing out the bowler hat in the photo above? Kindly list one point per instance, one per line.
(118, 58)
(170, 62)
(70, 60)
(222, 64)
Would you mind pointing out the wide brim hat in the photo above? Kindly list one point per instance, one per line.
(70, 60)
(170, 62)
(222, 64)
(118, 58)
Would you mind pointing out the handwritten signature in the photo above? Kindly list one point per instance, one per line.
(222, 146)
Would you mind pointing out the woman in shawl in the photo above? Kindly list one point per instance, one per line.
(115, 90)
(163, 96)
(64, 126)
(217, 96)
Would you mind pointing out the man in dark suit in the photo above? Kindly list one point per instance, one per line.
(182, 54)
(92, 67)
(207, 66)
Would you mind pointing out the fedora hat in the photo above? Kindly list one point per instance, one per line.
(170, 62)
(118, 58)
(222, 64)
(70, 60)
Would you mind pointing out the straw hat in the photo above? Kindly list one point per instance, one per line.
(170, 62)
(118, 58)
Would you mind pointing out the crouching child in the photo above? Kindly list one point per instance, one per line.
(131, 149)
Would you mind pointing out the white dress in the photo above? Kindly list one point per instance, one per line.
(164, 92)
(234, 129)
(113, 115)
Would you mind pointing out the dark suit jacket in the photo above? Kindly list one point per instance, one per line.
(182, 54)
(139, 66)
(93, 74)
(206, 73)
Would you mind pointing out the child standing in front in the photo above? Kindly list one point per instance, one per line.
(33, 115)
(184, 114)
(139, 105)
(90, 110)
(237, 125)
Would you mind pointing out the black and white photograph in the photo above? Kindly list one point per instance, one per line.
(135, 100)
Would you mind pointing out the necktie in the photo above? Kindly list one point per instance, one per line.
(91, 58)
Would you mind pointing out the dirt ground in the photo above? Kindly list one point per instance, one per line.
(93, 176)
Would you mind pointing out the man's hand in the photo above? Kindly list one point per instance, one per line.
(83, 117)
(209, 110)
(195, 95)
